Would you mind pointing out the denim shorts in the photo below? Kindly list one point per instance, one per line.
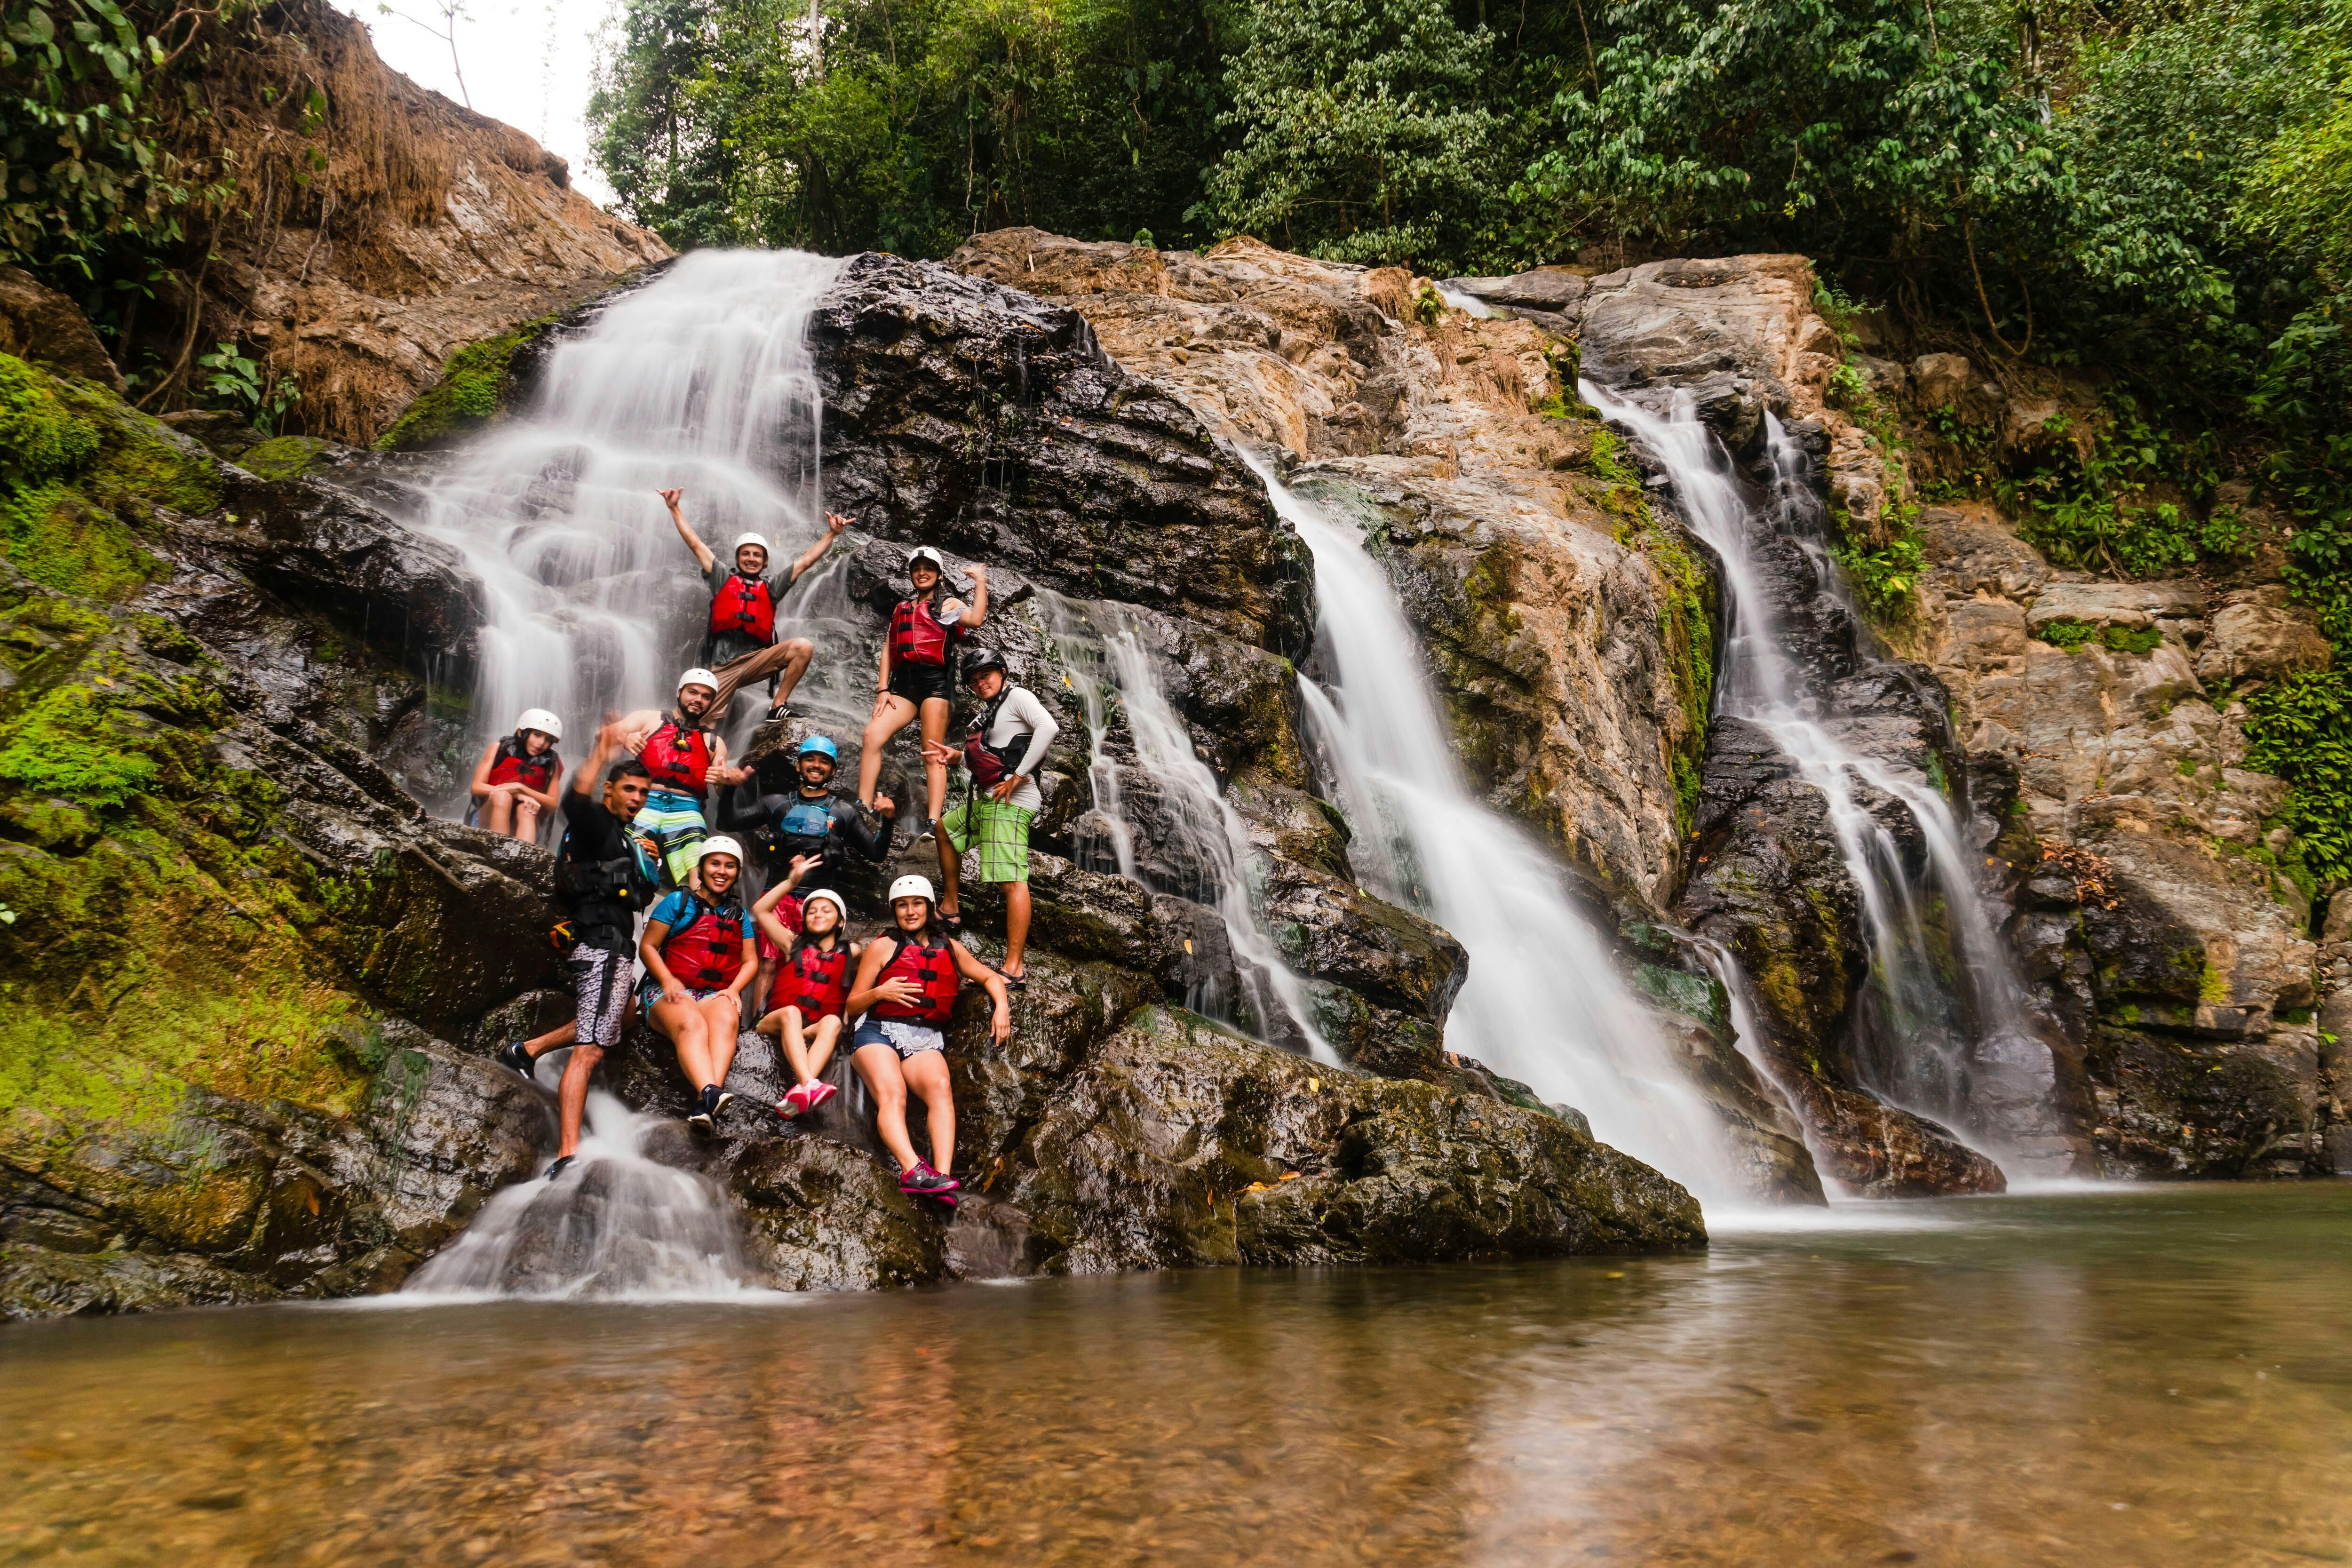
(909, 1039)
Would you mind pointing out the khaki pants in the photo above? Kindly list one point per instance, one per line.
(756, 666)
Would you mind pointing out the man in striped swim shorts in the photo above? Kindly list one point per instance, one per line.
(684, 760)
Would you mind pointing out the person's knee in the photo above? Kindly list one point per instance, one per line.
(800, 650)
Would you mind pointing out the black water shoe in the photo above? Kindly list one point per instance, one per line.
(704, 1111)
(512, 1054)
(561, 1164)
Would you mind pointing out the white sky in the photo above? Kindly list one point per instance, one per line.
(527, 62)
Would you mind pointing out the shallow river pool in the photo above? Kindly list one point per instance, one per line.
(2110, 1377)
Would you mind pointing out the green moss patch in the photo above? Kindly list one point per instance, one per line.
(81, 476)
(476, 385)
(282, 457)
(2072, 635)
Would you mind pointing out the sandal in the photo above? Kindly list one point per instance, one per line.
(1014, 982)
(952, 922)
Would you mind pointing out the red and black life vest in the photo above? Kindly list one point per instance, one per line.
(517, 765)
(742, 607)
(678, 758)
(706, 950)
(814, 981)
(933, 969)
(991, 764)
(917, 636)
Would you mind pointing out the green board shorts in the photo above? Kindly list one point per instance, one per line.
(993, 838)
(674, 822)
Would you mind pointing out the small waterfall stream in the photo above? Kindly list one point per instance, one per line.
(1951, 1040)
(1542, 1001)
(702, 380)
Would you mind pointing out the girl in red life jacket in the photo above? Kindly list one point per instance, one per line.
(697, 956)
(918, 677)
(907, 985)
(812, 970)
(515, 781)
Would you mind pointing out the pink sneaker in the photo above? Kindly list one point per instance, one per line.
(817, 1094)
(794, 1103)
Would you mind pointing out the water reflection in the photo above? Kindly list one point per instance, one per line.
(2148, 1377)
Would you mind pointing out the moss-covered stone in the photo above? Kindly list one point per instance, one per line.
(282, 457)
(477, 386)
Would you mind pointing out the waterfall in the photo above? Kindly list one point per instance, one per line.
(616, 1225)
(1542, 1001)
(1952, 1041)
(1200, 850)
(702, 380)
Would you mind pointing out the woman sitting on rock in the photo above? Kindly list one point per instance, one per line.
(516, 779)
(805, 1002)
(918, 678)
(907, 982)
(696, 951)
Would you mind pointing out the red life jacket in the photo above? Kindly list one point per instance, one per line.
(742, 605)
(676, 757)
(705, 952)
(989, 765)
(931, 968)
(814, 981)
(516, 765)
(916, 635)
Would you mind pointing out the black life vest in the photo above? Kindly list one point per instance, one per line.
(916, 635)
(743, 606)
(624, 879)
(517, 765)
(933, 969)
(814, 981)
(989, 764)
(678, 758)
(705, 950)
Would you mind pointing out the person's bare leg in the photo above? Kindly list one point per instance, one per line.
(950, 864)
(526, 820)
(572, 1099)
(498, 812)
(879, 1065)
(927, 1080)
(828, 1034)
(1016, 927)
(935, 774)
(721, 1022)
(682, 1023)
(562, 1035)
(897, 712)
(797, 654)
(796, 1049)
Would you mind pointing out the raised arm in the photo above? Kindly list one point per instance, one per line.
(609, 743)
(693, 540)
(834, 524)
(977, 611)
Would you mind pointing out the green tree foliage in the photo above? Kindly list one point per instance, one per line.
(909, 125)
(1362, 134)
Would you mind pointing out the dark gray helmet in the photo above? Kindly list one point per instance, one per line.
(980, 661)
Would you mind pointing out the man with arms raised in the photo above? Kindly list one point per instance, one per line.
(738, 641)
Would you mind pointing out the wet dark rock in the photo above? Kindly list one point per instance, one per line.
(964, 414)
(1876, 1150)
(1177, 1144)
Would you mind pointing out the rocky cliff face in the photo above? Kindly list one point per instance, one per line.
(255, 986)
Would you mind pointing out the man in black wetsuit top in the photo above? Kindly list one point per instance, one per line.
(604, 877)
(811, 820)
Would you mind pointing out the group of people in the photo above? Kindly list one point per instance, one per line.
(643, 880)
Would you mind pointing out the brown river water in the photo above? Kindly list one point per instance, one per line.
(2154, 1375)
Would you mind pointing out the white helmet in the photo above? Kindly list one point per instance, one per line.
(912, 887)
(924, 552)
(840, 909)
(699, 678)
(540, 719)
(743, 539)
(722, 845)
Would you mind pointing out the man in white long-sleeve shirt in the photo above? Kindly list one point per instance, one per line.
(989, 833)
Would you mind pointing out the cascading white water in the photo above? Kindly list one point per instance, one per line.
(702, 380)
(615, 1226)
(1966, 1055)
(1205, 835)
(1542, 1001)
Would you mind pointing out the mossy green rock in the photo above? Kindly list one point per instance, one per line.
(477, 384)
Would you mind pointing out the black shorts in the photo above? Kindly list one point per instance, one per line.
(917, 681)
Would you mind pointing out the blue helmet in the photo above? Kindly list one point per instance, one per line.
(822, 745)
